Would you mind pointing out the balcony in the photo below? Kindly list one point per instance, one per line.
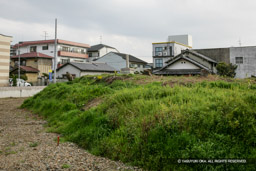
(72, 54)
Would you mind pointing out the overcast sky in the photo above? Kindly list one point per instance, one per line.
(132, 26)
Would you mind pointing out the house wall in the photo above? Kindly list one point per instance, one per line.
(4, 59)
(176, 49)
(103, 51)
(113, 60)
(32, 77)
(70, 69)
(44, 65)
(183, 64)
(248, 67)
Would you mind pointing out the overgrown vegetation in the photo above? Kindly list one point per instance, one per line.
(225, 69)
(152, 125)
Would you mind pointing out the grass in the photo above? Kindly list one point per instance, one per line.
(34, 144)
(151, 121)
(65, 166)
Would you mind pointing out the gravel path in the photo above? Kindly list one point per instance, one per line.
(25, 145)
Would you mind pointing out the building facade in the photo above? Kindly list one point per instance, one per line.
(5, 42)
(97, 51)
(243, 57)
(118, 61)
(67, 51)
(164, 51)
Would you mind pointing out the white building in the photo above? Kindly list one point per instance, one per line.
(164, 51)
(99, 50)
(67, 51)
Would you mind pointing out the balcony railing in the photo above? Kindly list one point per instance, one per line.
(72, 54)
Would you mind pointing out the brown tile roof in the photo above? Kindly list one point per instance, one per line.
(26, 69)
(32, 55)
(26, 43)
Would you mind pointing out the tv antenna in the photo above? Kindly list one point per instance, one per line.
(100, 39)
(240, 42)
(45, 35)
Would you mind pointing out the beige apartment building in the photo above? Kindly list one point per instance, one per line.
(5, 42)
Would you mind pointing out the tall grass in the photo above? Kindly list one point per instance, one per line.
(152, 125)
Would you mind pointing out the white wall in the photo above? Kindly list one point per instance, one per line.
(113, 60)
(183, 64)
(68, 68)
(20, 91)
(103, 51)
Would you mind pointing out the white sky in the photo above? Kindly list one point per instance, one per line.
(132, 25)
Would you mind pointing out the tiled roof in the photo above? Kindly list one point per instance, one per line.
(90, 66)
(131, 58)
(26, 69)
(98, 47)
(27, 43)
(32, 55)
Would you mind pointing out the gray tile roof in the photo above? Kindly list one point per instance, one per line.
(131, 58)
(98, 47)
(91, 66)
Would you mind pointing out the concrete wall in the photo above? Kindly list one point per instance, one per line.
(184, 39)
(248, 67)
(218, 54)
(6, 92)
(4, 59)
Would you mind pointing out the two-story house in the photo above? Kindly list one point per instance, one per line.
(164, 51)
(67, 51)
(97, 51)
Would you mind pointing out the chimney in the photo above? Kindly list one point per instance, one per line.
(127, 61)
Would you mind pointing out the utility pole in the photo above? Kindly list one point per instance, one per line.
(19, 63)
(55, 51)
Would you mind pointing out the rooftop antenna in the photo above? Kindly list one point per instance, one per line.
(45, 35)
(100, 39)
(240, 42)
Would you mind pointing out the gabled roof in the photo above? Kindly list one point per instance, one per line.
(187, 59)
(131, 58)
(27, 69)
(59, 41)
(98, 47)
(194, 53)
(32, 55)
(90, 67)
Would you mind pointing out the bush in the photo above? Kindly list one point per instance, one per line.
(228, 70)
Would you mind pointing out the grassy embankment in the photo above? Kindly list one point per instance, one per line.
(151, 123)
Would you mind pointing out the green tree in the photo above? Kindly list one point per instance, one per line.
(224, 69)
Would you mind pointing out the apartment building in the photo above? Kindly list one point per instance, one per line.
(67, 51)
(164, 51)
(5, 42)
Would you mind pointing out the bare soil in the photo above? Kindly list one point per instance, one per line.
(26, 145)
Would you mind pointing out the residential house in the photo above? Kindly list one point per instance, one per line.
(81, 69)
(67, 51)
(244, 57)
(38, 64)
(188, 63)
(164, 51)
(5, 42)
(28, 71)
(118, 61)
(97, 51)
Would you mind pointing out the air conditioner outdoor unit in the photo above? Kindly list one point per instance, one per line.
(159, 54)
(165, 53)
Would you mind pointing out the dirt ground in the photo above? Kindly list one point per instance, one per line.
(25, 145)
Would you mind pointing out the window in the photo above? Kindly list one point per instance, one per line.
(239, 60)
(65, 48)
(159, 63)
(157, 50)
(32, 48)
(63, 61)
(45, 47)
(90, 54)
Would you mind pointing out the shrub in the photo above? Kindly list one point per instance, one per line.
(228, 70)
